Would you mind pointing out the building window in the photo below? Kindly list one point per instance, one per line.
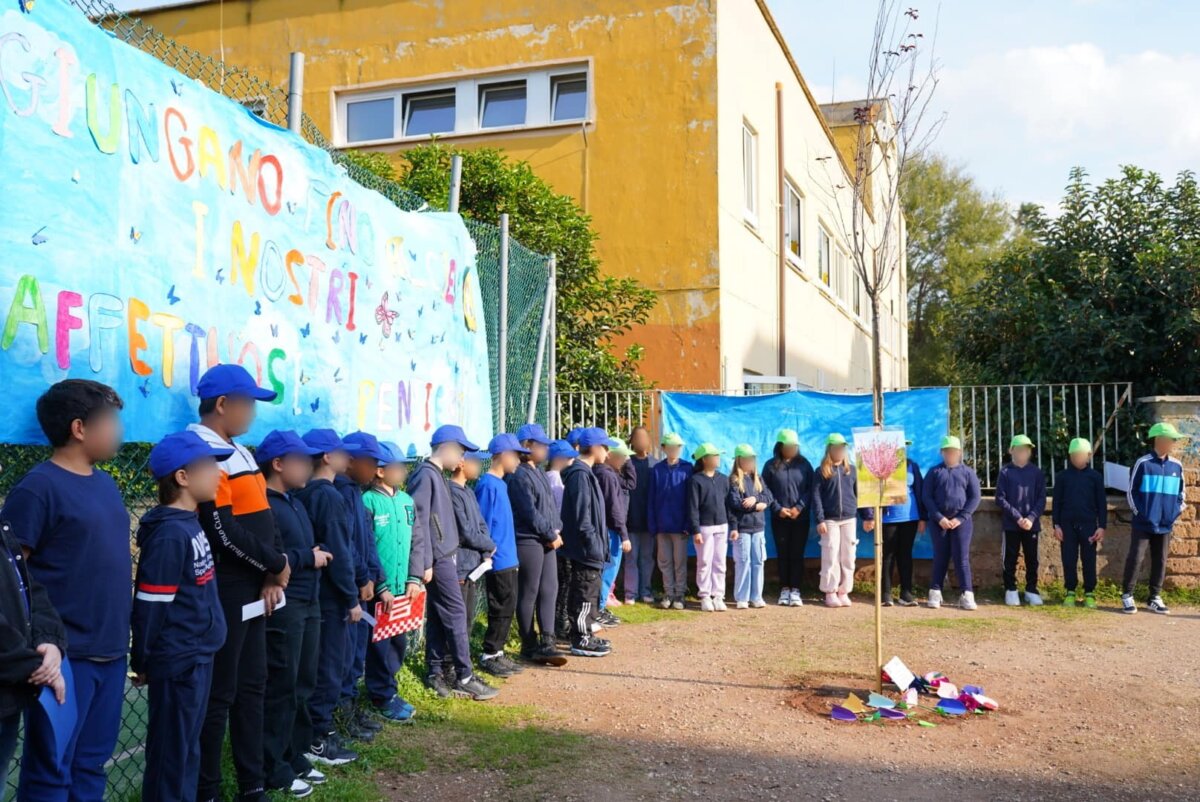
(368, 120)
(750, 173)
(823, 266)
(536, 98)
(795, 224)
(502, 105)
(858, 295)
(429, 113)
(841, 276)
(568, 97)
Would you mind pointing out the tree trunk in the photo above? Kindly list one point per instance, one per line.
(876, 361)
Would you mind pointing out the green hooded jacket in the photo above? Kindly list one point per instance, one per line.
(393, 517)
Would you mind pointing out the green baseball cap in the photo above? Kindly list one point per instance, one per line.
(1020, 440)
(787, 437)
(950, 441)
(1164, 429)
(672, 439)
(1079, 444)
(619, 448)
(705, 450)
(835, 439)
(744, 450)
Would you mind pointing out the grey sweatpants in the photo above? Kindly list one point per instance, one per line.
(672, 562)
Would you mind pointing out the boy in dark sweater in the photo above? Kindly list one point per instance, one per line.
(616, 513)
(1021, 496)
(1157, 498)
(178, 624)
(474, 543)
(1080, 516)
(585, 540)
(73, 528)
(251, 566)
(293, 633)
(951, 497)
(639, 565)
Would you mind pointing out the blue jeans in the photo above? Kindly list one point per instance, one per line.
(639, 566)
(749, 557)
(9, 727)
(608, 576)
(99, 690)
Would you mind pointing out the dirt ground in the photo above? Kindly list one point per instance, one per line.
(1095, 705)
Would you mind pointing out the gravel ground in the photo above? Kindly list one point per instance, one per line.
(1095, 705)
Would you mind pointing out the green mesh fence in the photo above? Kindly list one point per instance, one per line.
(528, 277)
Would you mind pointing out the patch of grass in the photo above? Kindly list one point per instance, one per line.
(648, 614)
(964, 623)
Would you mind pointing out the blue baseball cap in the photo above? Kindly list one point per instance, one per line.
(368, 447)
(534, 432)
(180, 450)
(326, 440)
(506, 442)
(595, 436)
(449, 433)
(574, 435)
(477, 455)
(394, 453)
(222, 380)
(282, 443)
(561, 448)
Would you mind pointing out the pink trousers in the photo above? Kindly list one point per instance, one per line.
(710, 561)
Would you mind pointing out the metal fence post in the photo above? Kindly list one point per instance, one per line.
(455, 181)
(552, 379)
(543, 335)
(295, 98)
(503, 333)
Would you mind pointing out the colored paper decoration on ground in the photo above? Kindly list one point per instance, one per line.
(951, 700)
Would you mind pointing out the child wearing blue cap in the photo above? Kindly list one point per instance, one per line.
(294, 632)
(392, 513)
(71, 522)
(338, 591)
(585, 541)
(432, 563)
(251, 566)
(474, 542)
(561, 455)
(178, 624)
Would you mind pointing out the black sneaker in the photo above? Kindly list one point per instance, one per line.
(510, 664)
(887, 601)
(439, 684)
(562, 633)
(354, 732)
(1157, 605)
(548, 654)
(590, 646)
(607, 619)
(330, 752)
(314, 777)
(907, 600)
(367, 721)
(495, 666)
(475, 688)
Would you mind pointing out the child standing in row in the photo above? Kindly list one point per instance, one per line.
(639, 565)
(711, 523)
(1021, 496)
(951, 492)
(835, 509)
(616, 513)
(901, 525)
(474, 543)
(1080, 516)
(177, 621)
(749, 498)
(561, 454)
(585, 541)
(667, 507)
(790, 478)
(1156, 497)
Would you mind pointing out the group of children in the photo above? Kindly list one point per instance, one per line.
(260, 574)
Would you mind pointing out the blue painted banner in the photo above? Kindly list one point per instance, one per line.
(152, 228)
(727, 421)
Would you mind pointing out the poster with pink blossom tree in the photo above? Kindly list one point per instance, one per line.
(880, 457)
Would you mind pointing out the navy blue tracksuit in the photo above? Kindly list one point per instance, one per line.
(178, 626)
(951, 493)
(366, 569)
(1021, 493)
(1080, 508)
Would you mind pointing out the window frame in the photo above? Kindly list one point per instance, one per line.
(556, 80)
(793, 197)
(406, 100)
(750, 190)
(825, 257)
(501, 86)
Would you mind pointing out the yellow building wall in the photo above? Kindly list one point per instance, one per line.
(646, 170)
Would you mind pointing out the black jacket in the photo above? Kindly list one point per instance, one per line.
(435, 532)
(474, 540)
(584, 531)
(639, 496)
(749, 520)
(20, 632)
(535, 513)
(790, 483)
(296, 531)
(708, 502)
(616, 499)
(333, 532)
(1079, 498)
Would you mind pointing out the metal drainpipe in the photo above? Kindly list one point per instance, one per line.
(782, 218)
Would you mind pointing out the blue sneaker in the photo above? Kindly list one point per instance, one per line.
(396, 711)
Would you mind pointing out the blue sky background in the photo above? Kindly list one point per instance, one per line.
(1030, 87)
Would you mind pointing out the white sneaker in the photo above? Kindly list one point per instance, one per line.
(785, 597)
(719, 604)
(596, 627)
(647, 600)
(1157, 605)
(1012, 598)
(665, 603)
(832, 600)
(743, 605)
(1033, 599)
(844, 598)
(1128, 605)
(796, 600)
(935, 600)
(758, 605)
(967, 600)
(300, 789)
(678, 605)
(706, 605)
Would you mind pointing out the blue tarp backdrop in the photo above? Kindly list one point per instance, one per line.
(729, 420)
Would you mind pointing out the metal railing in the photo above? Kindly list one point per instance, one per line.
(985, 416)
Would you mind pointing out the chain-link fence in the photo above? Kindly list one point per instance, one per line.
(527, 280)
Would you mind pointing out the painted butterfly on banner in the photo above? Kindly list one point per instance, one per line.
(385, 317)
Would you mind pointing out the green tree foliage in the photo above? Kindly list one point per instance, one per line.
(954, 230)
(1106, 291)
(593, 309)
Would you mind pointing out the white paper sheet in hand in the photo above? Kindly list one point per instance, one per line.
(899, 673)
(256, 608)
(480, 569)
(370, 619)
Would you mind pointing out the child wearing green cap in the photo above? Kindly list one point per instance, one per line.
(1156, 497)
(666, 513)
(1021, 497)
(835, 509)
(710, 523)
(749, 498)
(952, 495)
(1080, 515)
(790, 478)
